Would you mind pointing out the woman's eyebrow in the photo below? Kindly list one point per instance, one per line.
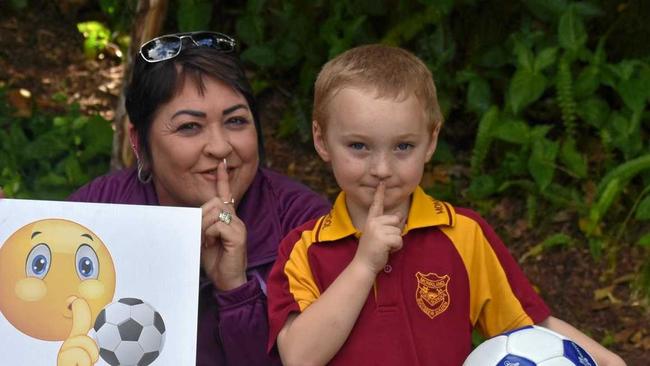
(234, 108)
(191, 112)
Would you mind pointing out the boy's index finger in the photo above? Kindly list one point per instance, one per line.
(223, 185)
(377, 207)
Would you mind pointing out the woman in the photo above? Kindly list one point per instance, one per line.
(196, 136)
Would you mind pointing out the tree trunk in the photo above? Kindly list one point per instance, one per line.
(147, 23)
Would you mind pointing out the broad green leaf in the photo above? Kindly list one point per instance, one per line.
(73, 170)
(482, 187)
(514, 131)
(261, 55)
(547, 10)
(571, 31)
(573, 159)
(545, 58)
(19, 4)
(586, 9)
(444, 152)
(479, 96)
(250, 29)
(515, 163)
(525, 88)
(194, 15)
(525, 57)
(541, 164)
(644, 241)
(594, 111)
(288, 54)
(587, 82)
(539, 131)
(643, 209)
(633, 93)
(255, 6)
(96, 138)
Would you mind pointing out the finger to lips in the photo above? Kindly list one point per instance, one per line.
(377, 207)
(81, 318)
(223, 185)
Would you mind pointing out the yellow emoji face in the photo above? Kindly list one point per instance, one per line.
(44, 267)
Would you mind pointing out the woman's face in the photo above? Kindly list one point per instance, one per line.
(192, 133)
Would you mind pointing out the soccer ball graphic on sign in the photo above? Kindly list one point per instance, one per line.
(529, 346)
(129, 332)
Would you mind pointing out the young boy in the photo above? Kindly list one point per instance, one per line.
(392, 276)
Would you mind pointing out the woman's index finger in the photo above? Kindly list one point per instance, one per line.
(223, 185)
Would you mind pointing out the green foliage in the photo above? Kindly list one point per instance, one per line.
(556, 111)
(19, 4)
(96, 37)
(110, 34)
(48, 156)
(194, 15)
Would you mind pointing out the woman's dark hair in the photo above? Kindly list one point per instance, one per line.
(154, 84)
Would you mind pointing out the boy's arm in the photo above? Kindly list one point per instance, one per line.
(602, 355)
(314, 336)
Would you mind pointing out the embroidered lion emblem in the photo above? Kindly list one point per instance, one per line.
(431, 295)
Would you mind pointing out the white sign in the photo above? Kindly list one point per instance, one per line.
(78, 279)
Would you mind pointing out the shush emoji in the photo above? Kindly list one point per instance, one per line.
(55, 277)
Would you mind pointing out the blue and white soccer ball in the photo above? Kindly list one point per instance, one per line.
(129, 332)
(529, 346)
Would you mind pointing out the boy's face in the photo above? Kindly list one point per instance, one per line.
(368, 140)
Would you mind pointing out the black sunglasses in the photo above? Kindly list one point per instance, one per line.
(169, 46)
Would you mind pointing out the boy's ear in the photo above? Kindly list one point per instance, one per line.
(319, 141)
(434, 142)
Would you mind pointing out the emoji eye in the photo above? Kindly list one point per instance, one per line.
(87, 263)
(38, 261)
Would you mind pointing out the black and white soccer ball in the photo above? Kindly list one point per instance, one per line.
(129, 332)
(529, 346)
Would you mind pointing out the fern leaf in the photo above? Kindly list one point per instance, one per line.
(565, 96)
(483, 140)
(624, 172)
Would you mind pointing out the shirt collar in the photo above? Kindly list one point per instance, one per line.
(425, 211)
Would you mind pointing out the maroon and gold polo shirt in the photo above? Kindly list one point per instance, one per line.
(452, 274)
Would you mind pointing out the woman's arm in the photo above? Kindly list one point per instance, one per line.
(243, 325)
(602, 355)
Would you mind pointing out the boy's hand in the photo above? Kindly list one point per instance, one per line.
(381, 235)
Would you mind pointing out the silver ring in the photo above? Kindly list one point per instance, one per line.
(225, 217)
(231, 202)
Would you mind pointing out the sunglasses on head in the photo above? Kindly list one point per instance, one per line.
(169, 46)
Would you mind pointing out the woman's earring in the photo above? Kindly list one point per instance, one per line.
(143, 176)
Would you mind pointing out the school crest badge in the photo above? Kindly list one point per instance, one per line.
(431, 295)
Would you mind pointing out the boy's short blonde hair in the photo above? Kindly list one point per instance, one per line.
(390, 72)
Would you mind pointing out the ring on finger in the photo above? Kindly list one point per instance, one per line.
(231, 202)
(225, 217)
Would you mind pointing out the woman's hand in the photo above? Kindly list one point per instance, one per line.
(223, 255)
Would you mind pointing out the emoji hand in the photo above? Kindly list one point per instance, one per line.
(79, 349)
